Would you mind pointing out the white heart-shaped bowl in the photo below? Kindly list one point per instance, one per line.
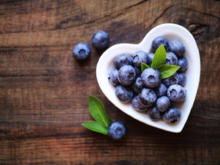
(170, 31)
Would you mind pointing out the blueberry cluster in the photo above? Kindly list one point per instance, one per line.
(146, 91)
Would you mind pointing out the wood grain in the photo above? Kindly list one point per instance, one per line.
(44, 91)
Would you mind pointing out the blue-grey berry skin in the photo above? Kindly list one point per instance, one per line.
(116, 130)
(182, 79)
(154, 114)
(171, 80)
(123, 59)
(150, 57)
(126, 75)
(138, 105)
(138, 85)
(123, 94)
(160, 40)
(113, 77)
(176, 93)
(81, 51)
(151, 77)
(139, 57)
(183, 63)
(163, 103)
(148, 97)
(171, 59)
(138, 71)
(172, 115)
(100, 40)
(161, 90)
(177, 47)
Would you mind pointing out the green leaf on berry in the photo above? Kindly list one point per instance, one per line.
(159, 57)
(96, 127)
(144, 66)
(167, 71)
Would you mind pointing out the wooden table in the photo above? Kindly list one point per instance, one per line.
(44, 91)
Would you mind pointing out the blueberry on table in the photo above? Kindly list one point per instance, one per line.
(139, 57)
(161, 90)
(148, 97)
(126, 75)
(123, 94)
(163, 103)
(81, 51)
(160, 40)
(150, 57)
(172, 115)
(182, 79)
(176, 93)
(183, 63)
(177, 47)
(113, 77)
(116, 130)
(154, 114)
(171, 59)
(171, 80)
(138, 85)
(151, 77)
(123, 59)
(138, 105)
(100, 40)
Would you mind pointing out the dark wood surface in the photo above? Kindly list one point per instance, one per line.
(44, 91)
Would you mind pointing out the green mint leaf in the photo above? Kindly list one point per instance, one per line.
(167, 71)
(144, 66)
(159, 57)
(97, 111)
(96, 127)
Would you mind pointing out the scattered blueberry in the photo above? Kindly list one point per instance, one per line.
(171, 59)
(150, 57)
(113, 77)
(123, 94)
(151, 77)
(154, 114)
(171, 80)
(123, 59)
(176, 93)
(183, 63)
(116, 130)
(100, 40)
(163, 103)
(126, 75)
(161, 90)
(139, 57)
(172, 115)
(177, 47)
(81, 51)
(138, 85)
(161, 40)
(138, 105)
(148, 97)
(182, 79)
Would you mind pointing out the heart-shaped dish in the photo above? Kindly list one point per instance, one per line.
(170, 31)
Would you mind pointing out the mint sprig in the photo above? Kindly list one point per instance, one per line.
(98, 112)
(158, 61)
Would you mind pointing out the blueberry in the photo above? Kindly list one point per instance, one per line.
(150, 57)
(126, 75)
(116, 130)
(172, 115)
(163, 103)
(81, 51)
(113, 77)
(171, 80)
(176, 93)
(183, 63)
(123, 94)
(138, 71)
(161, 90)
(182, 79)
(100, 40)
(160, 40)
(138, 105)
(123, 59)
(138, 85)
(177, 47)
(139, 57)
(151, 77)
(154, 114)
(171, 59)
(148, 97)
